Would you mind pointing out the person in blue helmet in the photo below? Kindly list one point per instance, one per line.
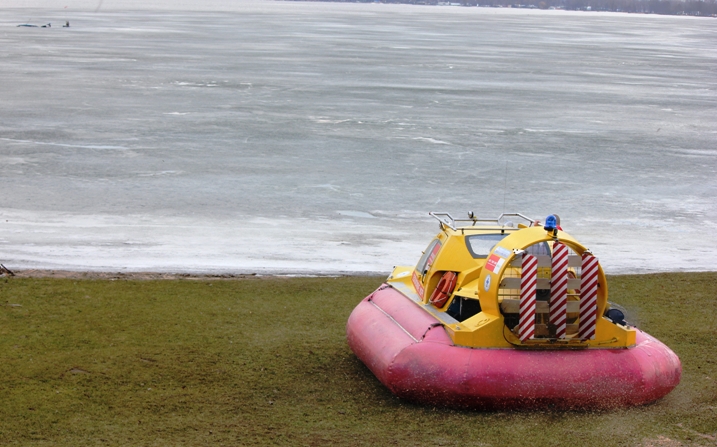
(557, 222)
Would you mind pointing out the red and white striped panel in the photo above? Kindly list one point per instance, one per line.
(588, 297)
(528, 290)
(559, 289)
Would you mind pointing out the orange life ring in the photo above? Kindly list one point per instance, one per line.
(443, 289)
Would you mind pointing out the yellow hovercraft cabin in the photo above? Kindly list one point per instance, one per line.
(470, 278)
(501, 315)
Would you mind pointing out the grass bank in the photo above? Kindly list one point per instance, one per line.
(263, 361)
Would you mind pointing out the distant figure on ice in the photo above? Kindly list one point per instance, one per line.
(67, 24)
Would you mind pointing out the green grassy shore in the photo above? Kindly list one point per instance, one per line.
(264, 361)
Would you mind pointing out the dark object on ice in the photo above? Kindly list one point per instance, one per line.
(67, 24)
(30, 25)
(4, 270)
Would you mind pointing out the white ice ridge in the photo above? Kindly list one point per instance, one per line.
(246, 245)
(349, 243)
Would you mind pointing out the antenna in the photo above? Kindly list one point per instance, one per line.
(505, 184)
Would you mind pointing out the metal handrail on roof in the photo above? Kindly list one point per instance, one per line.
(450, 221)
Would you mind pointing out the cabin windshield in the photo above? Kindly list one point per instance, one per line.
(480, 245)
(428, 257)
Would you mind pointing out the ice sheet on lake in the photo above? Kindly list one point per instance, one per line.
(154, 137)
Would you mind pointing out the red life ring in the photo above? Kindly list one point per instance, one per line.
(443, 289)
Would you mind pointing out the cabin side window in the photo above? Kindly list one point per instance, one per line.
(480, 245)
(428, 257)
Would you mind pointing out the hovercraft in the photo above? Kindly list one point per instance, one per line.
(498, 315)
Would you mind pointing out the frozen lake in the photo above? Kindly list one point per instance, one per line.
(314, 138)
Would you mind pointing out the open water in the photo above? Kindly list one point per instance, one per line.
(314, 138)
